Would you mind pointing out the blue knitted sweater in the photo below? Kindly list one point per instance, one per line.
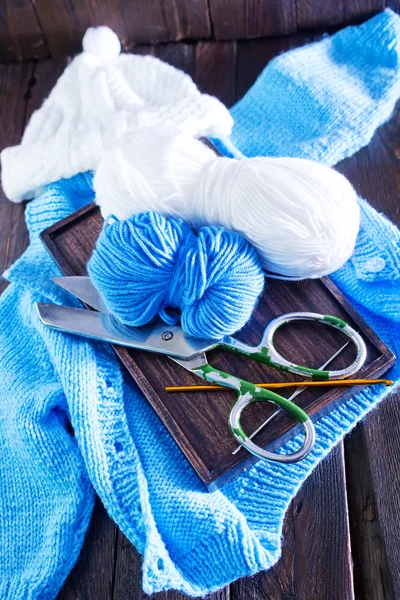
(324, 102)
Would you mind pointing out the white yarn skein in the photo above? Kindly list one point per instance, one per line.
(151, 169)
(302, 217)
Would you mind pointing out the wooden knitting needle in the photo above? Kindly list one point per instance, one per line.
(282, 384)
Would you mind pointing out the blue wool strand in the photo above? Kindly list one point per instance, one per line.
(149, 265)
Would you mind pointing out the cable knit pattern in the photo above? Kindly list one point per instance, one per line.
(191, 540)
(97, 99)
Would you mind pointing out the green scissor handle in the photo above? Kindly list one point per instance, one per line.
(249, 393)
(266, 352)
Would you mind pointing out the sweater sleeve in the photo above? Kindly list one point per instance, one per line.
(46, 498)
(323, 101)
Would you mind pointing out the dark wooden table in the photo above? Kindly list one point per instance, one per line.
(342, 531)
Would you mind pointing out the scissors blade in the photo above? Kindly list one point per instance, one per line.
(83, 289)
(192, 363)
(154, 337)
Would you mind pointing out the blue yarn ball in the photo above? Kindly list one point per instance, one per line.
(150, 265)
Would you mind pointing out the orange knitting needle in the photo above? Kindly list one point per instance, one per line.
(283, 384)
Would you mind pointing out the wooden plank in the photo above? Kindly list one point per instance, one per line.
(135, 22)
(42, 82)
(335, 12)
(356, 10)
(23, 89)
(20, 35)
(30, 31)
(92, 578)
(64, 23)
(373, 477)
(309, 13)
(373, 472)
(58, 26)
(128, 577)
(145, 21)
(187, 19)
(180, 56)
(216, 70)
(316, 561)
(15, 81)
(394, 4)
(128, 571)
(233, 19)
(14, 236)
(254, 55)
(143, 50)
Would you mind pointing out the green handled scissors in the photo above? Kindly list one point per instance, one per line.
(265, 352)
(190, 353)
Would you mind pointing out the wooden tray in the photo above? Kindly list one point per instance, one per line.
(198, 421)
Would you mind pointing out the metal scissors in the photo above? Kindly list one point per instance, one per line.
(190, 353)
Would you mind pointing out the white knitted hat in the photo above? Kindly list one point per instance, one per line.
(101, 95)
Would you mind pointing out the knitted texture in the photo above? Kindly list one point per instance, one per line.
(191, 540)
(100, 96)
(317, 77)
(149, 265)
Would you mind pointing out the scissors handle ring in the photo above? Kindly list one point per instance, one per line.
(249, 393)
(246, 442)
(277, 360)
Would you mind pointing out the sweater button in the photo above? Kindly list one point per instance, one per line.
(375, 265)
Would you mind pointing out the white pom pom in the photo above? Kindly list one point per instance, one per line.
(302, 217)
(102, 42)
